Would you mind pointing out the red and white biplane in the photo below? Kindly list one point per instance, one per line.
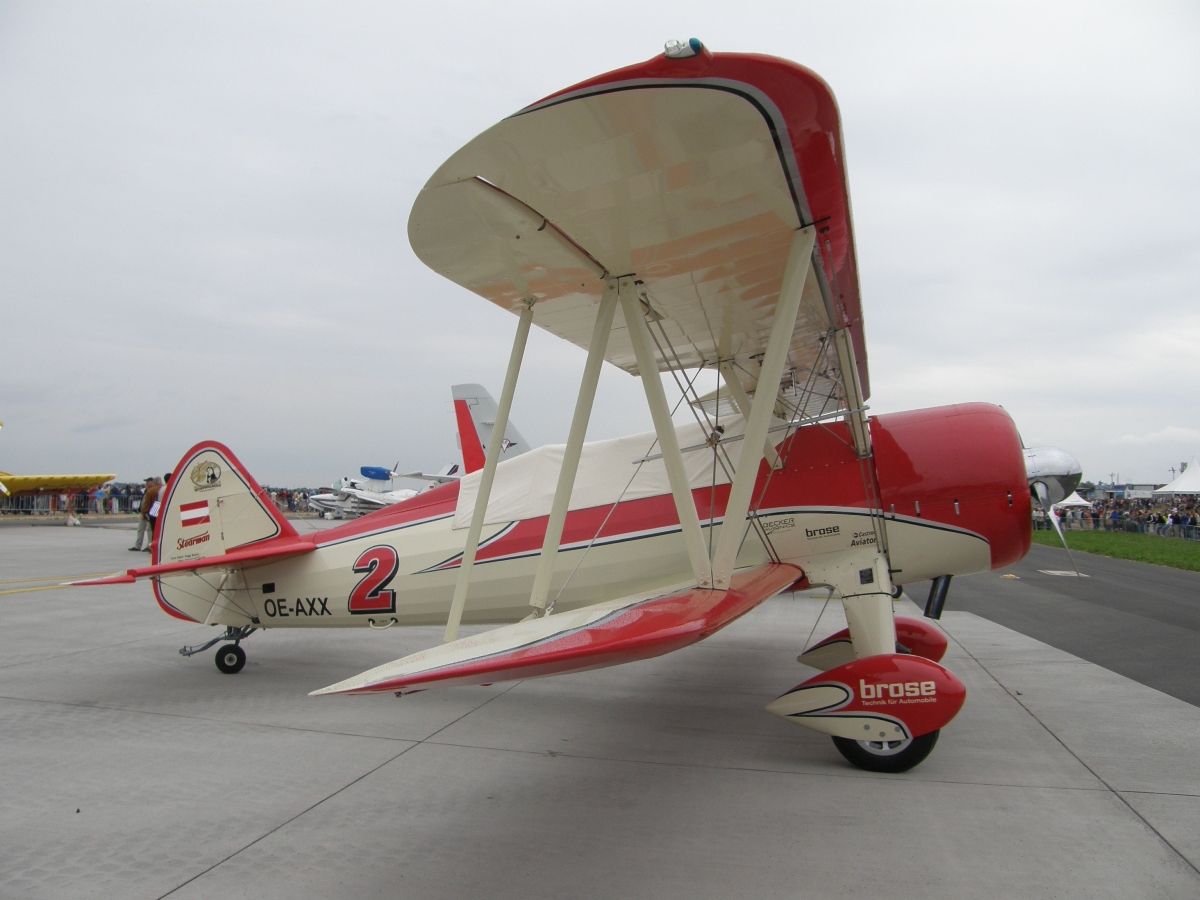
(689, 212)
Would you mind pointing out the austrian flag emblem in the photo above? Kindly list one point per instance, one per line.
(194, 513)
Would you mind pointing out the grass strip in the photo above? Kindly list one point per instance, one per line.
(1148, 548)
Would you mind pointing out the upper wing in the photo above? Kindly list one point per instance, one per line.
(691, 174)
(606, 634)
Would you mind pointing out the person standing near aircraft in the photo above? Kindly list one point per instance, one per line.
(144, 522)
(160, 485)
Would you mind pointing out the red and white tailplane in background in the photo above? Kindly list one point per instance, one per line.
(475, 415)
(475, 411)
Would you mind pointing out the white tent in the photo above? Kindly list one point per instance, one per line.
(1188, 481)
(1071, 502)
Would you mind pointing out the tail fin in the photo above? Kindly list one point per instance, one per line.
(475, 412)
(212, 506)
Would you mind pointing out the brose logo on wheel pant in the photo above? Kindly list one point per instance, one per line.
(371, 595)
(909, 695)
(896, 690)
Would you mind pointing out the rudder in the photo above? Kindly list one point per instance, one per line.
(475, 413)
(213, 505)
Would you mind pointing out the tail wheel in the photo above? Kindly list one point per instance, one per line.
(887, 756)
(231, 658)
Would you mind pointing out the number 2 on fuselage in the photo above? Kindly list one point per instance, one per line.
(371, 594)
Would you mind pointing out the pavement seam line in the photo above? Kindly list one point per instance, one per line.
(1187, 862)
(236, 722)
(26, 662)
(489, 748)
(870, 776)
(349, 784)
(1162, 794)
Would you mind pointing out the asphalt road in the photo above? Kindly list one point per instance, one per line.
(1136, 619)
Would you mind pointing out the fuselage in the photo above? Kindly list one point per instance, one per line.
(951, 483)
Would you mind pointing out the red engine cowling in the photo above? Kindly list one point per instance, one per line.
(887, 697)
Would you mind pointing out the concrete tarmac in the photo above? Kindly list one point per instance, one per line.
(129, 771)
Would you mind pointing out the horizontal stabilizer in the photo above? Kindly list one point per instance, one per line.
(606, 634)
(235, 559)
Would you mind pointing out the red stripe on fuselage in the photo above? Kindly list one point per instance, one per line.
(969, 453)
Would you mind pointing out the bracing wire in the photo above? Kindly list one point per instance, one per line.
(817, 622)
(720, 452)
(218, 588)
(612, 509)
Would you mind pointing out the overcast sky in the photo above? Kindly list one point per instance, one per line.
(203, 217)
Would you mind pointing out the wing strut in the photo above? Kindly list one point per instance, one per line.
(668, 440)
(570, 463)
(856, 414)
(799, 267)
(491, 459)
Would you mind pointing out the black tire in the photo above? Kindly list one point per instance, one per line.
(880, 756)
(230, 658)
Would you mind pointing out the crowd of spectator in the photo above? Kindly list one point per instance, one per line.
(112, 498)
(123, 498)
(1176, 517)
(288, 500)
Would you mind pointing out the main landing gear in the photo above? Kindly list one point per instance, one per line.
(887, 756)
(231, 657)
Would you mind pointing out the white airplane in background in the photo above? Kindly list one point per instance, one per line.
(348, 497)
(475, 414)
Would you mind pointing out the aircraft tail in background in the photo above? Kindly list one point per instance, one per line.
(475, 412)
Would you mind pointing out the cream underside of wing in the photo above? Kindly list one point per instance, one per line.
(682, 188)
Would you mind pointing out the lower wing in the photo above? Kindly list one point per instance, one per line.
(606, 634)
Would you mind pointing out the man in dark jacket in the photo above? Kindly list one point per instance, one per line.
(145, 524)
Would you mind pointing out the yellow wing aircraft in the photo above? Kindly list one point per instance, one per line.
(21, 484)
